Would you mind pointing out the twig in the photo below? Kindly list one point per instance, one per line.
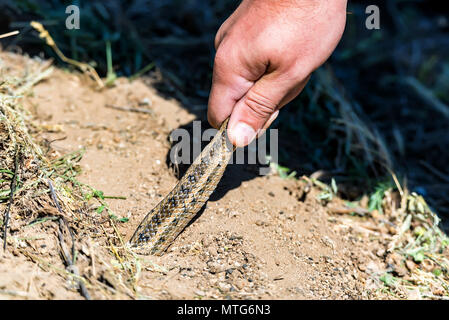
(115, 197)
(84, 67)
(92, 257)
(11, 196)
(71, 263)
(147, 68)
(21, 294)
(396, 181)
(42, 220)
(138, 110)
(43, 73)
(348, 210)
(53, 196)
(12, 33)
(64, 252)
(71, 266)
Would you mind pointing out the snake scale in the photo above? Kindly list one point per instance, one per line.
(165, 222)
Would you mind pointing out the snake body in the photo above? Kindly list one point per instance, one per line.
(165, 222)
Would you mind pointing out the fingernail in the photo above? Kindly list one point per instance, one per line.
(268, 123)
(271, 119)
(242, 134)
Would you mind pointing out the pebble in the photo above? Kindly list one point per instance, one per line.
(234, 214)
(212, 251)
(215, 267)
(146, 102)
(240, 284)
(206, 241)
(200, 293)
(229, 271)
(380, 253)
(224, 286)
(261, 223)
(410, 265)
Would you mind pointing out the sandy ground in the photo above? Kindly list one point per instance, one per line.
(258, 237)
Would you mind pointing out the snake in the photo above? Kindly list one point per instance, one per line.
(160, 227)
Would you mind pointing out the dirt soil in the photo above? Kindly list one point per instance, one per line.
(259, 237)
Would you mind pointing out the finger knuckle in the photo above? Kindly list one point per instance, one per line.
(261, 106)
(220, 58)
(297, 73)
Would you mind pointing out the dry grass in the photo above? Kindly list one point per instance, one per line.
(48, 193)
(416, 249)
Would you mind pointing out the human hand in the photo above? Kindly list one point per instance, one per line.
(266, 51)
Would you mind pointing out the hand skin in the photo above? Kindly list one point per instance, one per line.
(266, 51)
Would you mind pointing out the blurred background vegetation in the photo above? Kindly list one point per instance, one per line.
(379, 105)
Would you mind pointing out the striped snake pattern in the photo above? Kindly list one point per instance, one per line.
(169, 218)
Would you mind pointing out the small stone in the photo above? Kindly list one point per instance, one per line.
(262, 223)
(394, 259)
(410, 265)
(328, 242)
(200, 293)
(206, 241)
(439, 292)
(240, 284)
(85, 250)
(234, 214)
(380, 253)
(212, 251)
(215, 267)
(145, 102)
(427, 265)
(400, 270)
(223, 286)
(414, 295)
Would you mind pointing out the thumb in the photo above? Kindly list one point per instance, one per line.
(259, 107)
